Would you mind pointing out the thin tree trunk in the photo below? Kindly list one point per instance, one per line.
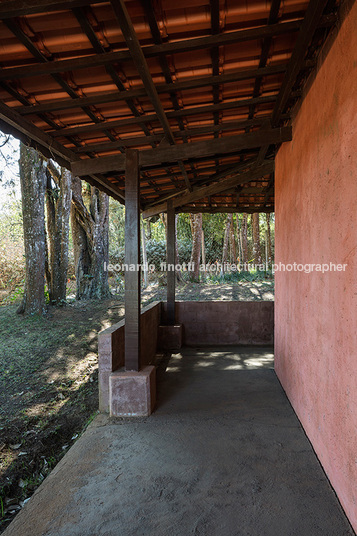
(203, 252)
(233, 250)
(245, 258)
(33, 180)
(177, 260)
(196, 222)
(226, 241)
(269, 261)
(239, 241)
(90, 230)
(256, 239)
(148, 228)
(58, 204)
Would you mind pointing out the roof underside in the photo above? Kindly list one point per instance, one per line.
(202, 88)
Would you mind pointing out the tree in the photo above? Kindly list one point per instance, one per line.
(244, 232)
(226, 240)
(177, 259)
(256, 239)
(58, 205)
(33, 181)
(269, 259)
(232, 244)
(196, 226)
(90, 231)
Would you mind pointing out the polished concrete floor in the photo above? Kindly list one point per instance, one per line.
(222, 455)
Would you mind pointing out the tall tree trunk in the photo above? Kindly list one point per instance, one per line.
(196, 226)
(233, 251)
(269, 260)
(256, 239)
(33, 181)
(90, 232)
(226, 241)
(177, 260)
(58, 204)
(245, 238)
(148, 228)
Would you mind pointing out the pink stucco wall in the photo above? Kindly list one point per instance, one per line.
(316, 222)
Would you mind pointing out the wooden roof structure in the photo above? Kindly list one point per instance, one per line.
(203, 89)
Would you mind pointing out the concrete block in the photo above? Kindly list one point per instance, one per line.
(170, 337)
(132, 394)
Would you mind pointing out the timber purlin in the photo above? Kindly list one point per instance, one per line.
(85, 81)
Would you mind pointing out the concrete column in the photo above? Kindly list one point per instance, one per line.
(132, 260)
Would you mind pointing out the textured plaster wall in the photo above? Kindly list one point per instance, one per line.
(316, 222)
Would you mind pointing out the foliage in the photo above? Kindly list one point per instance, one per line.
(156, 252)
(12, 261)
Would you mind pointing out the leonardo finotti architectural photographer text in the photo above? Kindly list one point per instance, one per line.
(217, 267)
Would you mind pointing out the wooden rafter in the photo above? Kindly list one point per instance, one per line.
(150, 51)
(215, 188)
(173, 153)
(149, 118)
(188, 139)
(311, 21)
(144, 72)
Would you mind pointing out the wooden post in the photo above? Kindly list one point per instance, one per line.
(132, 260)
(170, 259)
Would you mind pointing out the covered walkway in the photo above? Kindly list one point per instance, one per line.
(223, 454)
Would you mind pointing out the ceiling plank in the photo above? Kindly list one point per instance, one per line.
(173, 153)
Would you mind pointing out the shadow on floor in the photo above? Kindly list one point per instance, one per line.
(222, 455)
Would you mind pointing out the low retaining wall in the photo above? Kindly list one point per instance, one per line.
(111, 348)
(204, 323)
(225, 322)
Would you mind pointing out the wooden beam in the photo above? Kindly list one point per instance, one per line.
(272, 19)
(15, 28)
(309, 26)
(247, 176)
(171, 261)
(110, 58)
(149, 118)
(138, 57)
(132, 257)
(18, 8)
(140, 62)
(66, 104)
(162, 155)
(224, 209)
(12, 118)
(190, 132)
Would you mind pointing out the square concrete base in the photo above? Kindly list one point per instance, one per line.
(132, 394)
(170, 338)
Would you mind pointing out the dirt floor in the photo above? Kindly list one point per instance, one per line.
(223, 454)
(48, 380)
